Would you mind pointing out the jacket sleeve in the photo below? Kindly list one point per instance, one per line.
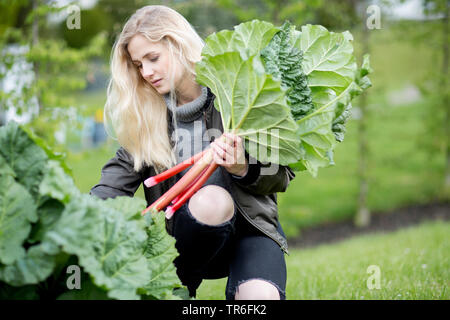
(118, 177)
(264, 184)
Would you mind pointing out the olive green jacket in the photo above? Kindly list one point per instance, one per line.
(254, 194)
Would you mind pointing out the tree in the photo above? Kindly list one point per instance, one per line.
(57, 70)
(275, 11)
(205, 15)
(362, 216)
(366, 18)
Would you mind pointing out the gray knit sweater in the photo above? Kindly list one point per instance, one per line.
(191, 131)
(190, 127)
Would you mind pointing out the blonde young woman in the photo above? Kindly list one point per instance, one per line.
(161, 116)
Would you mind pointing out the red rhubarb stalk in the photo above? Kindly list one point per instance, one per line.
(178, 187)
(150, 182)
(188, 187)
(184, 185)
(193, 189)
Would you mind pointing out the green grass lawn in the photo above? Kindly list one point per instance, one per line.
(416, 267)
(401, 172)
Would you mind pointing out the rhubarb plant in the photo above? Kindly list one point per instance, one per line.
(250, 101)
(48, 225)
(287, 93)
(313, 74)
(334, 80)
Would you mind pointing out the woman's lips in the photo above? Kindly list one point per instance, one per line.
(157, 82)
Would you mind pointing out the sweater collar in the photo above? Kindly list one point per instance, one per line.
(190, 111)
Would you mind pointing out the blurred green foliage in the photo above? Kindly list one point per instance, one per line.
(94, 21)
(57, 70)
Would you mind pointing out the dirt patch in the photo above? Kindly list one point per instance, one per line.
(380, 222)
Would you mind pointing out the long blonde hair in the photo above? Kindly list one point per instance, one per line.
(134, 109)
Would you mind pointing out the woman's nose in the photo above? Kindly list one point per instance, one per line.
(147, 71)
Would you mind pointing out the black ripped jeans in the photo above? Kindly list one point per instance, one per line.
(233, 249)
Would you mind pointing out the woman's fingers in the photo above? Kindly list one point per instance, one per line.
(238, 145)
(229, 153)
(218, 158)
(229, 149)
(231, 137)
(221, 157)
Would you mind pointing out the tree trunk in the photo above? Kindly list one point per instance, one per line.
(276, 12)
(362, 217)
(445, 100)
(34, 42)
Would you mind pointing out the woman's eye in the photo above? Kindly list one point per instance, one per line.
(154, 59)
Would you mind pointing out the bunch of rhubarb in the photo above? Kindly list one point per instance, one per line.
(287, 93)
(186, 186)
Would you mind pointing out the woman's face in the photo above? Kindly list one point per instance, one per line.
(153, 61)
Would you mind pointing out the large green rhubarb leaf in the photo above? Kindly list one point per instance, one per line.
(35, 266)
(18, 209)
(248, 38)
(51, 154)
(160, 253)
(334, 80)
(252, 105)
(56, 189)
(284, 62)
(130, 207)
(343, 108)
(23, 156)
(57, 184)
(17, 212)
(109, 247)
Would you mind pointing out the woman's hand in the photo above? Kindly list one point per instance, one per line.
(229, 152)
